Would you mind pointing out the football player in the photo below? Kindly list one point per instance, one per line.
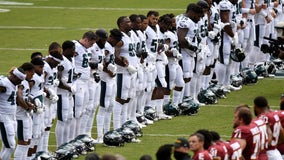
(108, 85)
(24, 115)
(247, 135)
(50, 63)
(37, 94)
(96, 64)
(196, 143)
(174, 77)
(280, 147)
(181, 149)
(65, 91)
(229, 37)
(82, 67)
(187, 38)
(8, 109)
(125, 59)
(271, 118)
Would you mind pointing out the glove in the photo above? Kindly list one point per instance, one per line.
(55, 82)
(179, 56)
(37, 103)
(111, 67)
(53, 98)
(73, 89)
(175, 52)
(64, 80)
(166, 47)
(100, 67)
(212, 34)
(131, 69)
(235, 40)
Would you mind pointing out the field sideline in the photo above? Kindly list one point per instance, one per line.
(31, 25)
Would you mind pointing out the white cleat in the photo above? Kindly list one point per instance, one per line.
(148, 121)
(232, 88)
(136, 140)
(164, 116)
(99, 141)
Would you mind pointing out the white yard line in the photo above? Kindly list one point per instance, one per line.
(93, 8)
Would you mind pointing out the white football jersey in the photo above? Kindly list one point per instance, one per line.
(186, 22)
(109, 59)
(82, 61)
(67, 72)
(25, 92)
(37, 88)
(152, 39)
(49, 74)
(8, 98)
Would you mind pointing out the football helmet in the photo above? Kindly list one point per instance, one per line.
(237, 55)
(66, 151)
(113, 138)
(150, 113)
(270, 67)
(81, 147)
(141, 118)
(170, 109)
(260, 70)
(217, 90)
(188, 107)
(127, 134)
(42, 155)
(249, 76)
(207, 96)
(134, 127)
(87, 140)
(236, 80)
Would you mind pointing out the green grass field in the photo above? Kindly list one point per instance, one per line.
(32, 25)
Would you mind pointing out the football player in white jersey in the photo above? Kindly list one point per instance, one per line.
(152, 38)
(213, 40)
(138, 46)
(24, 115)
(50, 62)
(125, 58)
(187, 32)
(248, 26)
(203, 52)
(65, 91)
(96, 64)
(37, 94)
(108, 85)
(174, 77)
(229, 37)
(156, 63)
(82, 67)
(262, 18)
(8, 108)
(144, 50)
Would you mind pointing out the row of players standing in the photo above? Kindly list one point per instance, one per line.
(144, 49)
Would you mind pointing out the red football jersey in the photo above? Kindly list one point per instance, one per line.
(273, 121)
(202, 155)
(251, 134)
(280, 147)
(234, 149)
(219, 149)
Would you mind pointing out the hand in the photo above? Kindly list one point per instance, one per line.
(131, 69)
(111, 67)
(100, 67)
(55, 82)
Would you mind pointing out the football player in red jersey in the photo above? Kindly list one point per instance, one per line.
(247, 135)
(271, 118)
(196, 143)
(280, 147)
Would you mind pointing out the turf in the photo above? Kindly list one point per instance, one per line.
(29, 28)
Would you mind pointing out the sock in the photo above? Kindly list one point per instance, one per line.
(90, 122)
(107, 121)
(186, 91)
(45, 138)
(117, 115)
(176, 97)
(124, 110)
(167, 99)
(59, 132)
(6, 153)
(100, 122)
(21, 152)
(159, 106)
(72, 129)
